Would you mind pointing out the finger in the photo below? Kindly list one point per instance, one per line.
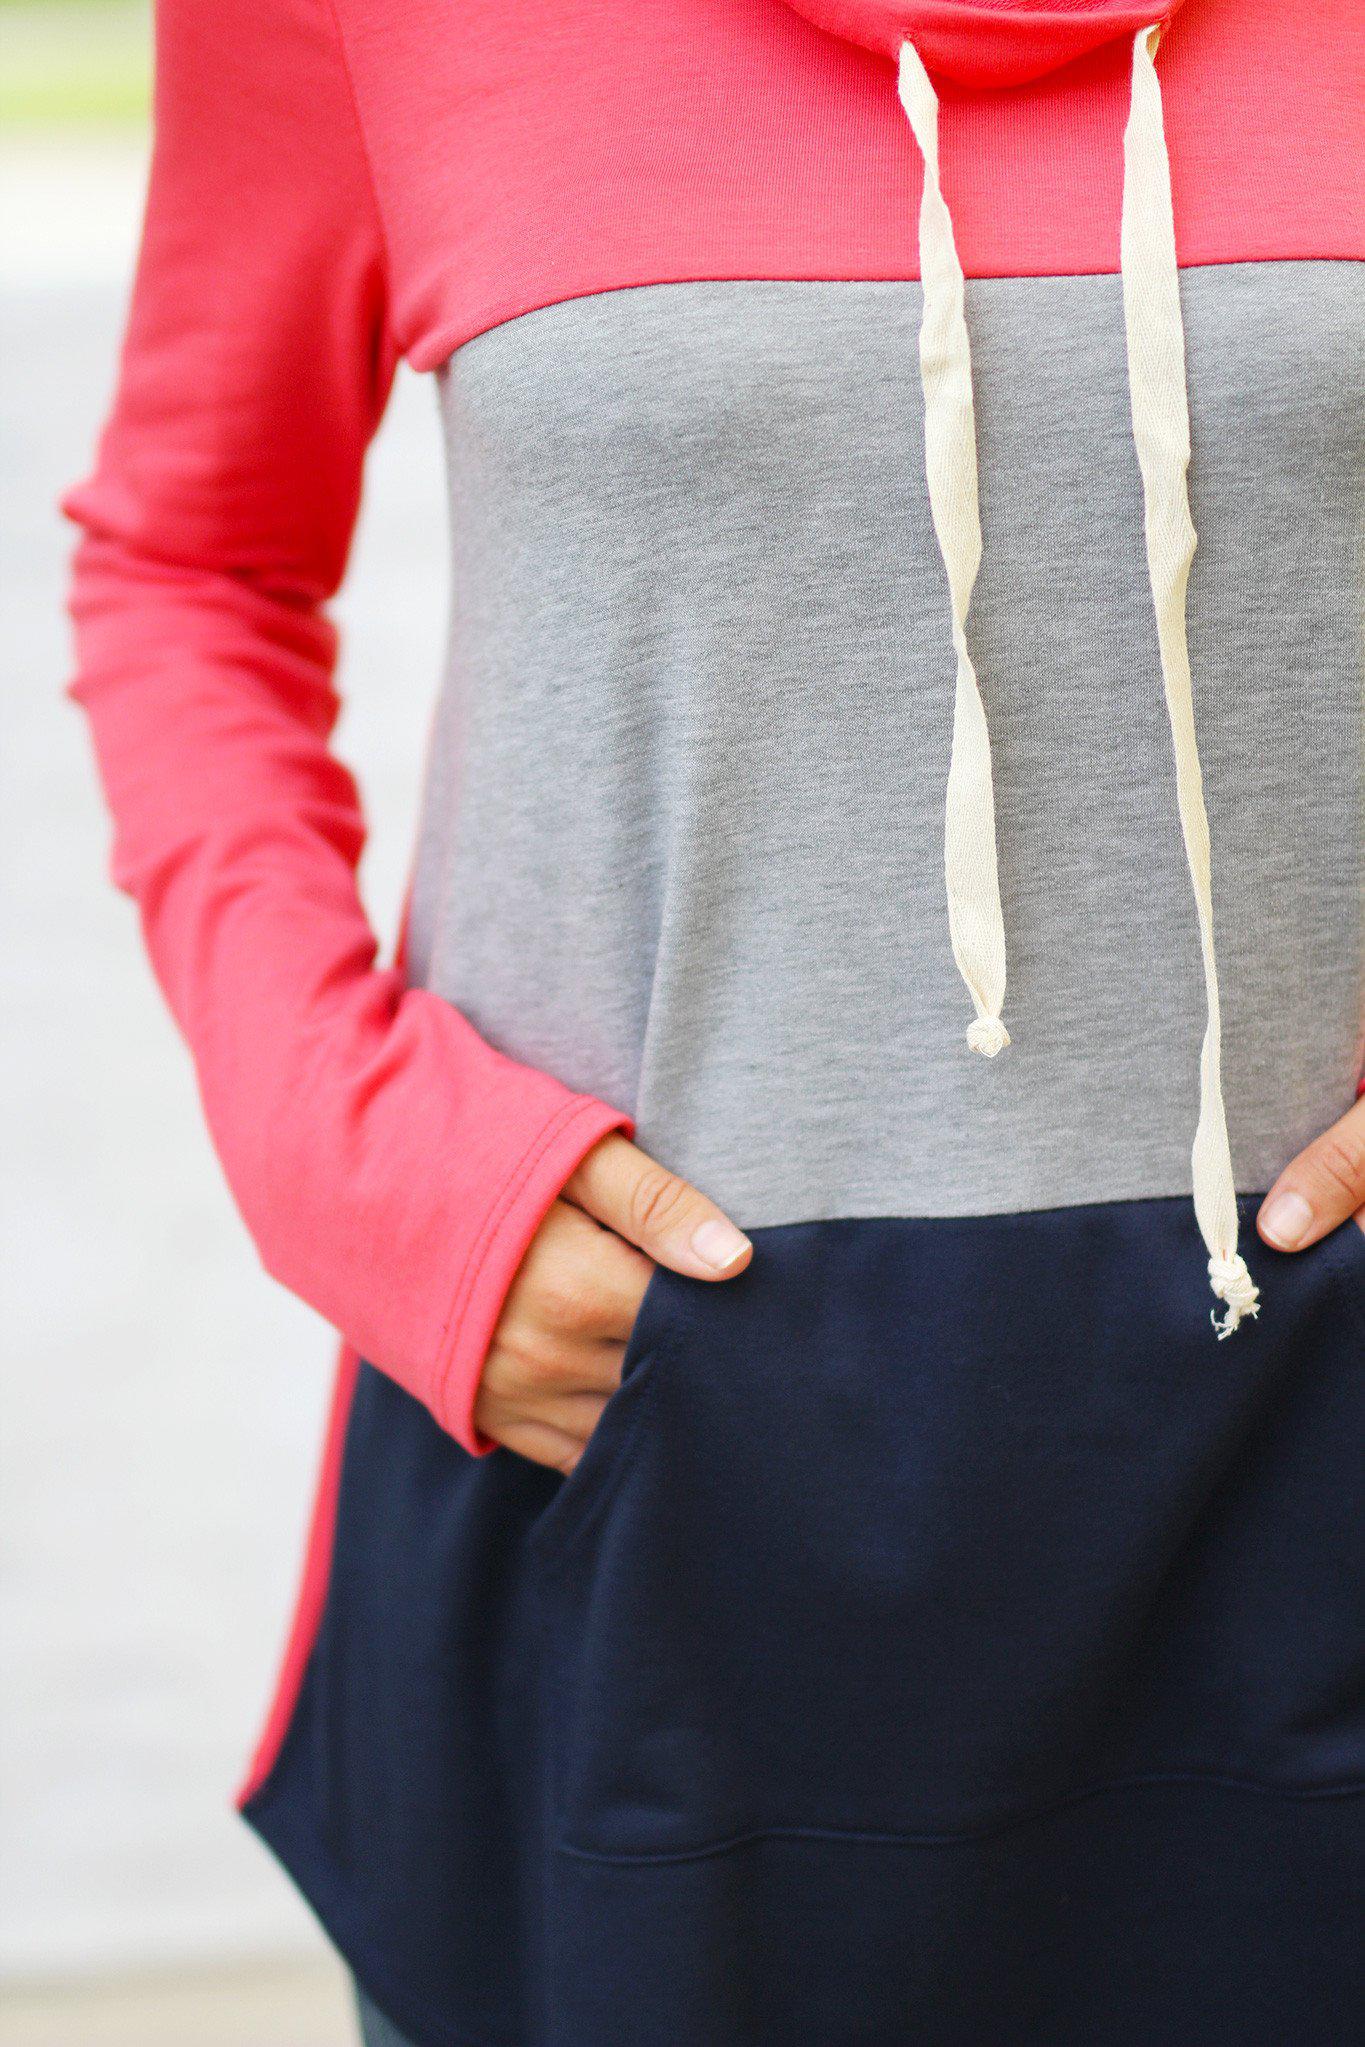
(578, 1282)
(525, 1367)
(1324, 1185)
(543, 1444)
(672, 1223)
(571, 1414)
(590, 1281)
(622, 1276)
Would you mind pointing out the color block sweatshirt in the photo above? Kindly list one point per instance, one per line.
(652, 585)
(850, 777)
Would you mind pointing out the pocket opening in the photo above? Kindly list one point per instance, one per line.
(586, 1491)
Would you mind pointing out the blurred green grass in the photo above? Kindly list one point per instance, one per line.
(74, 63)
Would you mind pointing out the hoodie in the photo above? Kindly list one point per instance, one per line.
(904, 477)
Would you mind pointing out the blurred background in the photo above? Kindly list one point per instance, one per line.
(162, 1400)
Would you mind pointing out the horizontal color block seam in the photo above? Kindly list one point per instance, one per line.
(449, 339)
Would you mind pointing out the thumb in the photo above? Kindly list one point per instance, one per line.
(1322, 1186)
(621, 1186)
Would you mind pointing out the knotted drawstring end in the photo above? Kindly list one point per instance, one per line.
(987, 1035)
(1233, 1283)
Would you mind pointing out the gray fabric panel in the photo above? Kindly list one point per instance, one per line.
(682, 837)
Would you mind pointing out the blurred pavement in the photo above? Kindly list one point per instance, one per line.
(303, 2003)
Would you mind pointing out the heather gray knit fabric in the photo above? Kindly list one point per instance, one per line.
(682, 832)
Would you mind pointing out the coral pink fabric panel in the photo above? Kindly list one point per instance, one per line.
(547, 151)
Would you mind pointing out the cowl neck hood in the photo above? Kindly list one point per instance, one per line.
(991, 45)
(986, 44)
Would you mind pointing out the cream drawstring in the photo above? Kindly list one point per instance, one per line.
(1161, 432)
(975, 920)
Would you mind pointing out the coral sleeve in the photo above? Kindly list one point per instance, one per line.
(390, 1165)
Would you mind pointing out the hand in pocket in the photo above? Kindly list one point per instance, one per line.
(557, 1351)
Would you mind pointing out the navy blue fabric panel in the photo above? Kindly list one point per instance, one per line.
(944, 1638)
(1165, 1915)
(375, 2029)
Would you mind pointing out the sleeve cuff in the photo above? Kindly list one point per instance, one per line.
(497, 1252)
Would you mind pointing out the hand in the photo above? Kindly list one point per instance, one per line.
(1324, 1185)
(557, 1351)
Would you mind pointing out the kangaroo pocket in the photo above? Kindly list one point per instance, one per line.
(918, 1528)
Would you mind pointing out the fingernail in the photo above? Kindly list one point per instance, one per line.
(718, 1243)
(1286, 1221)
